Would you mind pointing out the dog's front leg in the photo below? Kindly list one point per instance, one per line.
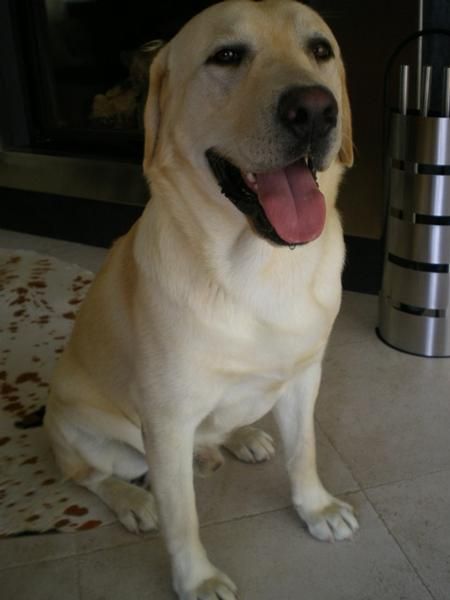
(169, 443)
(327, 517)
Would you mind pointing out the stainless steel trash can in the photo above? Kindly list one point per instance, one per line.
(414, 303)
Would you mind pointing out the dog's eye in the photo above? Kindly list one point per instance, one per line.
(228, 56)
(321, 50)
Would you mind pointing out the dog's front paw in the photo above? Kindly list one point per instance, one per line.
(336, 521)
(250, 444)
(218, 587)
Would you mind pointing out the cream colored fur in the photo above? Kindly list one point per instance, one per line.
(196, 327)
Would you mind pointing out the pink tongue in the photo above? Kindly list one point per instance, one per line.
(292, 202)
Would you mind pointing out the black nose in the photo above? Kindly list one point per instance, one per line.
(310, 113)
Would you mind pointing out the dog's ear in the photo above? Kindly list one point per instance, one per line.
(346, 151)
(152, 112)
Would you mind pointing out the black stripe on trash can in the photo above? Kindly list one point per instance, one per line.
(414, 168)
(431, 220)
(420, 219)
(418, 266)
(419, 311)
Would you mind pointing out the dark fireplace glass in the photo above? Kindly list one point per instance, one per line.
(85, 66)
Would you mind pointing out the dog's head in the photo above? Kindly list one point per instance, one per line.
(254, 94)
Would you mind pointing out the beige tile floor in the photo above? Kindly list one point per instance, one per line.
(383, 424)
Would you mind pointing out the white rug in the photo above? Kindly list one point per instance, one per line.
(39, 298)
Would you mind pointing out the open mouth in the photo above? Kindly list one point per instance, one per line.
(284, 205)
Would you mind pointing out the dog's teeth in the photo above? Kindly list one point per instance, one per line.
(251, 181)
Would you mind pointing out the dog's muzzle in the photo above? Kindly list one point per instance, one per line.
(309, 113)
(310, 116)
(285, 204)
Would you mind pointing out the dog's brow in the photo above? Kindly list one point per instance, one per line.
(230, 29)
(318, 36)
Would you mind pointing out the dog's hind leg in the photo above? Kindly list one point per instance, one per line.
(207, 460)
(106, 467)
(134, 506)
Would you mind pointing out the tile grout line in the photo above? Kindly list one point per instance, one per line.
(390, 533)
(399, 546)
(375, 486)
(78, 571)
(360, 488)
(236, 519)
(341, 458)
(412, 478)
(156, 535)
(139, 539)
(38, 561)
(44, 561)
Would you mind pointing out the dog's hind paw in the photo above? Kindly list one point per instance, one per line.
(135, 507)
(250, 444)
(139, 514)
(207, 459)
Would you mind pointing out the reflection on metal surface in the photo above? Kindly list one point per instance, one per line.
(105, 180)
(426, 91)
(419, 243)
(414, 309)
(420, 194)
(404, 89)
(417, 139)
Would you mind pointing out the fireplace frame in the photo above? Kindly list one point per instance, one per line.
(35, 154)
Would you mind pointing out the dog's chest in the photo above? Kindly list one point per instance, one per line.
(262, 355)
(251, 377)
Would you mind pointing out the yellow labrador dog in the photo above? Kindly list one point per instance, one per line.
(216, 307)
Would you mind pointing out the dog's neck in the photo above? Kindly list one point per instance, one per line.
(212, 252)
(188, 209)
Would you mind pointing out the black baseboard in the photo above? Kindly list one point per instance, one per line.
(73, 219)
(363, 265)
(100, 223)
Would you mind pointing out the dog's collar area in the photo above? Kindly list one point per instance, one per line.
(239, 191)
